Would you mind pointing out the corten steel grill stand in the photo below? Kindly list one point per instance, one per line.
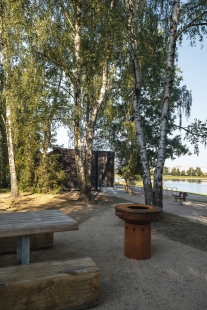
(138, 218)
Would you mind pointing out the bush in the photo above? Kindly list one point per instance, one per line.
(49, 176)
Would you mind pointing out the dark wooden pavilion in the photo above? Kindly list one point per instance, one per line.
(102, 174)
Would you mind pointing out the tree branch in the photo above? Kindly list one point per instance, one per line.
(191, 24)
(204, 136)
(54, 61)
(66, 15)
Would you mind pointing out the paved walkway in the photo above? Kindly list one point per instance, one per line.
(195, 208)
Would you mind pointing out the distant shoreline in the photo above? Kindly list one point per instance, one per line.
(185, 177)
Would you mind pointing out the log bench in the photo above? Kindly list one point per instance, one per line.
(54, 285)
(37, 242)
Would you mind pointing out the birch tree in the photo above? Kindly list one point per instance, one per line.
(198, 18)
(76, 37)
(115, 128)
(195, 26)
(6, 49)
(166, 104)
(137, 102)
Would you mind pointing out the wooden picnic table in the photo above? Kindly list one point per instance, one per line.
(24, 224)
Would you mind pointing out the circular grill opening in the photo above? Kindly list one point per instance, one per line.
(138, 207)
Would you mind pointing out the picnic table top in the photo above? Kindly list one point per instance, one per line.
(34, 222)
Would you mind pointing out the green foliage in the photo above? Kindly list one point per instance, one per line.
(175, 171)
(199, 171)
(194, 172)
(49, 176)
(196, 133)
(191, 172)
(165, 171)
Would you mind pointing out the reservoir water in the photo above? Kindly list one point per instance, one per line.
(192, 186)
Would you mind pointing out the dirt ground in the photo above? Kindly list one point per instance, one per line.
(174, 227)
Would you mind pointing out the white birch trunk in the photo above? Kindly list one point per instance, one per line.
(79, 156)
(137, 108)
(166, 104)
(6, 66)
(90, 125)
(83, 143)
(12, 168)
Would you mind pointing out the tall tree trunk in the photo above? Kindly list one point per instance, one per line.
(3, 154)
(79, 151)
(13, 176)
(5, 68)
(127, 185)
(83, 121)
(137, 106)
(89, 134)
(166, 105)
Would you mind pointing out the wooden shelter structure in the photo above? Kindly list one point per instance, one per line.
(102, 174)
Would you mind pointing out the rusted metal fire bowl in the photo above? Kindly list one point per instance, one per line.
(138, 218)
(136, 213)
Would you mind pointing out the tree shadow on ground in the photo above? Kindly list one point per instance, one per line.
(180, 229)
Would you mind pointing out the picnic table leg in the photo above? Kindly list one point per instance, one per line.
(23, 249)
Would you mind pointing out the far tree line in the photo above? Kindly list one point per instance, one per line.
(189, 172)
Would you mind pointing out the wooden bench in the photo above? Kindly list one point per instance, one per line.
(53, 285)
(37, 242)
(180, 199)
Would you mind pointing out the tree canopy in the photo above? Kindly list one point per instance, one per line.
(107, 71)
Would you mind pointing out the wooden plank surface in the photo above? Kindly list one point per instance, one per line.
(27, 223)
(53, 285)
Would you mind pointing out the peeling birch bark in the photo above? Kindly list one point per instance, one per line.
(166, 104)
(77, 104)
(137, 107)
(83, 144)
(4, 61)
(12, 168)
(85, 113)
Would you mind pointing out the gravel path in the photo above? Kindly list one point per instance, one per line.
(175, 277)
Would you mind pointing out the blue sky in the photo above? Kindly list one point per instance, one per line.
(193, 63)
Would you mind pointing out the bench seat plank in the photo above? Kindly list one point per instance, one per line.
(55, 285)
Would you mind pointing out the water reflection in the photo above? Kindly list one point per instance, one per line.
(197, 186)
(188, 180)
